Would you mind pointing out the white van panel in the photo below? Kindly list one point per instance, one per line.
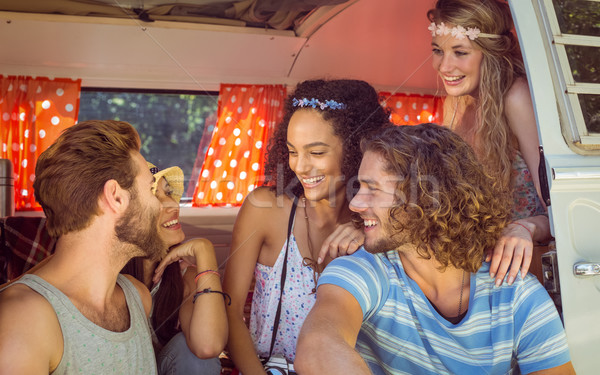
(574, 182)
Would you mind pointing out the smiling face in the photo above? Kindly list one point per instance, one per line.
(458, 62)
(315, 155)
(373, 202)
(169, 228)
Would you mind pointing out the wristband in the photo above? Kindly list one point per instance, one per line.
(199, 274)
(226, 296)
(527, 229)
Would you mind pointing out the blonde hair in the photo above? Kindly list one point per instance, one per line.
(502, 64)
(70, 175)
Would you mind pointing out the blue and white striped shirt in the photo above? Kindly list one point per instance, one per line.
(403, 334)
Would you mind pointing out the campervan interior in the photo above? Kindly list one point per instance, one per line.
(194, 47)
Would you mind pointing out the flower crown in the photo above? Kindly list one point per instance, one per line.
(459, 32)
(304, 102)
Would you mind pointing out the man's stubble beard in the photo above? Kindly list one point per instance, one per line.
(391, 239)
(130, 230)
(383, 245)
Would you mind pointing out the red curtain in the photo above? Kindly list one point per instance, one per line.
(410, 109)
(234, 162)
(33, 113)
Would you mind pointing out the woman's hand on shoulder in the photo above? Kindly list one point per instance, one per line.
(513, 250)
(344, 240)
(190, 253)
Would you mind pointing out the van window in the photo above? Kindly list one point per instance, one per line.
(174, 127)
(575, 29)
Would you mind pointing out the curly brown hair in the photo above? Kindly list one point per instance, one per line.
(70, 175)
(361, 115)
(454, 210)
(502, 63)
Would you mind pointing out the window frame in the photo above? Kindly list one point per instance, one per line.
(572, 120)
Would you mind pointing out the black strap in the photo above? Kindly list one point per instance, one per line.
(283, 275)
(5, 253)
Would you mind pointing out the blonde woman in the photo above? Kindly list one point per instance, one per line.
(488, 104)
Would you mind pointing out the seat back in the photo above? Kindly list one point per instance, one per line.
(24, 243)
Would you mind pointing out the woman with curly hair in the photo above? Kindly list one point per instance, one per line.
(488, 104)
(312, 160)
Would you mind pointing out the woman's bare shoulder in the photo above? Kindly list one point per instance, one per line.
(261, 212)
(259, 229)
(518, 107)
(517, 92)
(264, 202)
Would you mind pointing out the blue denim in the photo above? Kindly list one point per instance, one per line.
(176, 358)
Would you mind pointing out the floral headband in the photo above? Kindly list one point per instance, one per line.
(304, 102)
(459, 32)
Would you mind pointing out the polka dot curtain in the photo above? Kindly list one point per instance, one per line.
(34, 111)
(234, 162)
(411, 109)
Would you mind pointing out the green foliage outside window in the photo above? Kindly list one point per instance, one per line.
(171, 125)
(582, 17)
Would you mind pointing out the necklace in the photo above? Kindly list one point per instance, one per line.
(462, 286)
(454, 114)
(308, 261)
(310, 248)
(463, 127)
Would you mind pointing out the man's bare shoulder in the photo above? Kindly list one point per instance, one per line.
(30, 334)
(23, 308)
(16, 294)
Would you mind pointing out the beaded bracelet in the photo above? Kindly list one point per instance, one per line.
(199, 274)
(527, 229)
(226, 296)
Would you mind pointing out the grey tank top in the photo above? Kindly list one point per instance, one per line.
(91, 349)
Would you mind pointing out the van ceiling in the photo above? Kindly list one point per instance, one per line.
(276, 14)
(200, 43)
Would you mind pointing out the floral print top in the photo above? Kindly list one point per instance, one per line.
(298, 299)
(527, 202)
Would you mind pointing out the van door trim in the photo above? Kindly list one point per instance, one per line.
(579, 173)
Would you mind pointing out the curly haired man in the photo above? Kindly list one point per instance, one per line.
(419, 298)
